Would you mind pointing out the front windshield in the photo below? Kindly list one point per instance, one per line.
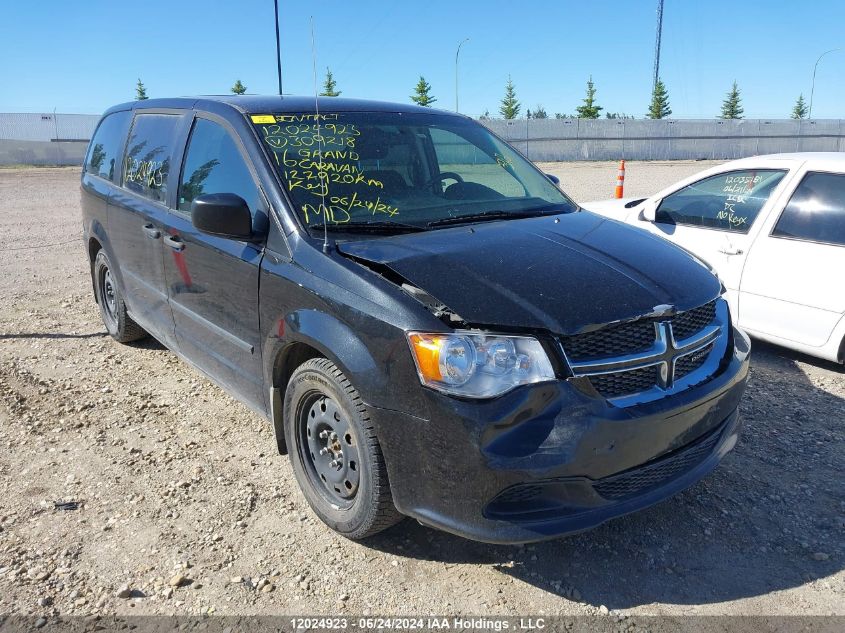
(402, 171)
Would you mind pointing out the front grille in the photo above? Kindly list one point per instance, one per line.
(615, 340)
(640, 480)
(693, 321)
(688, 364)
(621, 383)
(613, 349)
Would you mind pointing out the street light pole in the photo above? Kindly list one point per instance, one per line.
(458, 52)
(657, 46)
(813, 88)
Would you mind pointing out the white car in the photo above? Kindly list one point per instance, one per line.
(773, 228)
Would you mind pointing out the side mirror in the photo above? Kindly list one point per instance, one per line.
(649, 210)
(222, 214)
(553, 178)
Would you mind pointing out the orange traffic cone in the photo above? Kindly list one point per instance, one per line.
(620, 179)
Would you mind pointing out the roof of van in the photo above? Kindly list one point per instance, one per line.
(269, 104)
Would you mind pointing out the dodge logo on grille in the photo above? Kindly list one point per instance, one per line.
(672, 352)
(697, 356)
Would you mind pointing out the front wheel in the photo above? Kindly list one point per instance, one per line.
(335, 452)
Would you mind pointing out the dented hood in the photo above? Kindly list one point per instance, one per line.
(561, 273)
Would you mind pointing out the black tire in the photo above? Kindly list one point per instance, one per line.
(355, 501)
(119, 324)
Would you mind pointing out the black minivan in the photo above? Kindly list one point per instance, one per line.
(431, 326)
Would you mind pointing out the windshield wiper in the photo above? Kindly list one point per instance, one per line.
(369, 227)
(495, 215)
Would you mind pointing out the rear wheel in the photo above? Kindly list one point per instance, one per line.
(119, 324)
(335, 452)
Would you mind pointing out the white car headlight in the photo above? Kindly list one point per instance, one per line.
(476, 365)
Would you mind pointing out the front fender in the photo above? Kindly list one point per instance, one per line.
(615, 208)
(373, 356)
(340, 344)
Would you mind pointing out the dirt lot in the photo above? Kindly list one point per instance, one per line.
(185, 508)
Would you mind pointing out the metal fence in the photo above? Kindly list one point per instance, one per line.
(637, 139)
(61, 139)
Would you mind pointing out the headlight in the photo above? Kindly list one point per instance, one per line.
(478, 365)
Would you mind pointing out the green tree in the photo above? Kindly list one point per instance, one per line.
(330, 85)
(659, 107)
(561, 115)
(800, 109)
(510, 106)
(140, 91)
(617, 115)
(238, 88)
(196, 184)
(485, 116)
(539, 113)
(732, 105)
(589, 110)
(422, 93)
(98, 155)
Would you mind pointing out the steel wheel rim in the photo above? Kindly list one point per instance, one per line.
(329, 449)
(108, 292)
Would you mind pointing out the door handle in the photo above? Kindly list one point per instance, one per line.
(175, 242)
(152, 232)
(731, 251)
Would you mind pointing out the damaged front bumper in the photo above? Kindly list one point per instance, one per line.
(548, 460)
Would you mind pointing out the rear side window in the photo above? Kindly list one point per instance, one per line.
(105, 147)
(149, 154)
(213, 164)
(816, 211)
(727, 202)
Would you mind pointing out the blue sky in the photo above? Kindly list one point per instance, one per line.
(86, 56)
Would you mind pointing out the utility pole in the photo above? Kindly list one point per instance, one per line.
(657, 46)
(458, 52)
(278, 47)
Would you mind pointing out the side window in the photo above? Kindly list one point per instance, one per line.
(148, 155)
(213, 164)
(104, 149)
(457, 155)
(816, 211)
(728, 202)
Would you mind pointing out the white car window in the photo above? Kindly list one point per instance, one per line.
(816, 211)
(727, 202)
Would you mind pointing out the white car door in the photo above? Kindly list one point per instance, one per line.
(718, 217)
(792, 286)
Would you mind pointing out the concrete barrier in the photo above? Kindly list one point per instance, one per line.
(42, 152)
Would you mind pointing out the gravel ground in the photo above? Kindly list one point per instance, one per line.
(131, 484)
(597, 180)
